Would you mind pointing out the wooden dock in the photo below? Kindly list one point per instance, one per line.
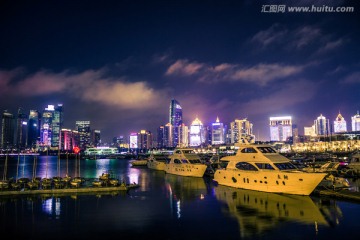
(65, 191)
(344, 194)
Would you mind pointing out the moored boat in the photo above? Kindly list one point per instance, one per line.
(262, 168)
(157, 161)
(185, 162)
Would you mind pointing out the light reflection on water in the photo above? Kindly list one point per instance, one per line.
(165, 207)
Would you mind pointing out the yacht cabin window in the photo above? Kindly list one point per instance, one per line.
(178, 152)
(245, 166)
(177, 161)
(248, 150)
(266, 149)
(264, 166)
(184, 161)
(194, 161)
(285, 166)
(189, 152)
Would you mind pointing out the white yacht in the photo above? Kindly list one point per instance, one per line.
(262, 168)
(185, 162)
(157, 161)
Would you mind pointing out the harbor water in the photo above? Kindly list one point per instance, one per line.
(164, 207)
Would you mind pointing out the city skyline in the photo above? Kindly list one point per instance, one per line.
(119, 63)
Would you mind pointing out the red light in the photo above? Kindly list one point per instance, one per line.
(76, 150)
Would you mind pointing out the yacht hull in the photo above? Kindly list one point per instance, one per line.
(189, 170)
(294, 182)
(156, 165)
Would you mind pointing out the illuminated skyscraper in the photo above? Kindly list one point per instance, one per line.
(217, 132)
(183, 135)
(321, 125)
(175, 119)
(280, 128)
(160, 137)
(168, 135)
(46, 126)
(7, 130)
(96, 138)
(355, 122)
(144, 140)
(241, 128)
(197, 133)
(340, 124)
(83, 127)
(33, 128)
(57, 123)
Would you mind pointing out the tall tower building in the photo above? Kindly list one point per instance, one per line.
(355, 122)
(241, 128)
(197, 133)
(340, 124)
(217, 132)
(168, 135)
(57, 123)
(183, 135)
(7, 130)
(175, 119)
(33, 128)
(280, 128)
(144, 140)
(46, 126)
(21, 129)
(160, 137)
(96, 138)
(321, 125)
(83, 127)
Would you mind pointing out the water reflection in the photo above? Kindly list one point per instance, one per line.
(258, 212)
(182, 190)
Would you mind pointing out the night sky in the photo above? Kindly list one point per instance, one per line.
(119, 63)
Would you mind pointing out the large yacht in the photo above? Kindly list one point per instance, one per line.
(262, 168)
(185, 162)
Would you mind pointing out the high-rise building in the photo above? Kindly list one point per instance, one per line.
(340, 124)
(83, 127)
(46, 126)
(7, 130)
(197, 133)
(355, 122)
(160, 137)
(217, 132)
(144, 140)
(175, 119)
(168, 135)
(21, 129)
(241, 128)
(33, 128)
(183, 135)
(281, 128)
(69, 139)
(96, 138)
(57, 123)
(322, 126)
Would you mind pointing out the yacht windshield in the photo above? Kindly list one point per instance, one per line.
(285, 166)
(245, 166)
(194, 161)
(266, 149)
(188, 151)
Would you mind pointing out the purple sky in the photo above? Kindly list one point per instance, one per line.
(119, 63)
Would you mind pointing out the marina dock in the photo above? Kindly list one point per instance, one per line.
(344, 194)
(64, 191)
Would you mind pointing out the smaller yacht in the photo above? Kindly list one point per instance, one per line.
(157, 161)
(185, 162)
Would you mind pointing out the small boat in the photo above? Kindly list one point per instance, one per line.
(260, 167)
(330, 180)
(185, 162)
(157, 161)
(139, 163)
